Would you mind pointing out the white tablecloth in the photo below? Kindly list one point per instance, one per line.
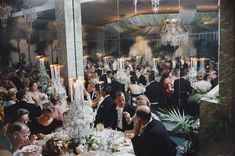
(124, 145)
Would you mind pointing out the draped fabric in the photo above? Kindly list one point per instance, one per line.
(149, 24)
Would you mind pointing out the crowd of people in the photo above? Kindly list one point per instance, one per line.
(130, 107)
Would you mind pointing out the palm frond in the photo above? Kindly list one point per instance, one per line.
(185, 124)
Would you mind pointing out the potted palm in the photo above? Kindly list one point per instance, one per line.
(186, 126)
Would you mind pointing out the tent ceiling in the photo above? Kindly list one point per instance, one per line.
(101, 12)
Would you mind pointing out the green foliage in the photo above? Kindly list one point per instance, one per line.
(185, 124)
(195, 97)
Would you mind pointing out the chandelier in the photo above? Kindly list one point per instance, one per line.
(5, 12)
(173, 32)
(154, 3)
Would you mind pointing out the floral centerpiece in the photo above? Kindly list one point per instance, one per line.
(43, 76)
(56, 86)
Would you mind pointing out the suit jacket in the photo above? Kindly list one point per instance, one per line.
(214, 82)
(104, 78)
(105, 112)
(154, 141)
(34, 111)
(125, 126)
(153, 92)
(182, 89)
(142, 80)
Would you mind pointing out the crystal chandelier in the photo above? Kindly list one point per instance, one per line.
(173, 32)
(155, 5)
(5, 12)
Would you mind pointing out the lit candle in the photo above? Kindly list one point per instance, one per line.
(173, 64)
(58, 72)
(195, 63)
(71, 82)
(81, 88)
(75, 86)
(191, 62)
(52, 73)
(105, 60)
(55, 71)
(202, 65)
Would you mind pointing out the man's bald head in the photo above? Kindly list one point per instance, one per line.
(144, 113)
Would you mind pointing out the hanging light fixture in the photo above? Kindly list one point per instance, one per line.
(173, 32)
(154, 3)
(5, 12)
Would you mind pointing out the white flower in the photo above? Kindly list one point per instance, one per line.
(94, 146)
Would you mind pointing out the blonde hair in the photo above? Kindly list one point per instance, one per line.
(48, 107)
(143, 99)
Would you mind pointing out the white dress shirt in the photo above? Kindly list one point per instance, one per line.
(119, 115)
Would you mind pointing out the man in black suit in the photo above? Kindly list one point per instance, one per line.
(140, 77)
(104, 110)
(119, 121)
(107, 78)
(150, 136)
(34, 111)
(182, 90)
(153, 92)
(213, 78)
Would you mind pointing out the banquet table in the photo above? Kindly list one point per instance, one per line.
(123, 145)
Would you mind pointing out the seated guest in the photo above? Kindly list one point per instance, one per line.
(16, 136)
(45, 124)
(60, 110)
(97, 97)
(140, 77)
(213, 78)
(107, 78)
(18, 79)
(35, 111)
(34, 96)
(116, 86)
(10, 98)
(119, 121)
(135, 88)
(104, 110)
(150, 136)
(182, 90)
(21, 115)
(201, 84)
(140, 100)
(153, 92)
(6, 82)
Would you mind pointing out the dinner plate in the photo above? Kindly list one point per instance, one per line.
(31, 149)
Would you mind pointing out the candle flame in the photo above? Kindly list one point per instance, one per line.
(86, 56)
(43, 59)
(156, 59)
(39, 56)
(56, 65)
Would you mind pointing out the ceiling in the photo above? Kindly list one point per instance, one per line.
(101, 12)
